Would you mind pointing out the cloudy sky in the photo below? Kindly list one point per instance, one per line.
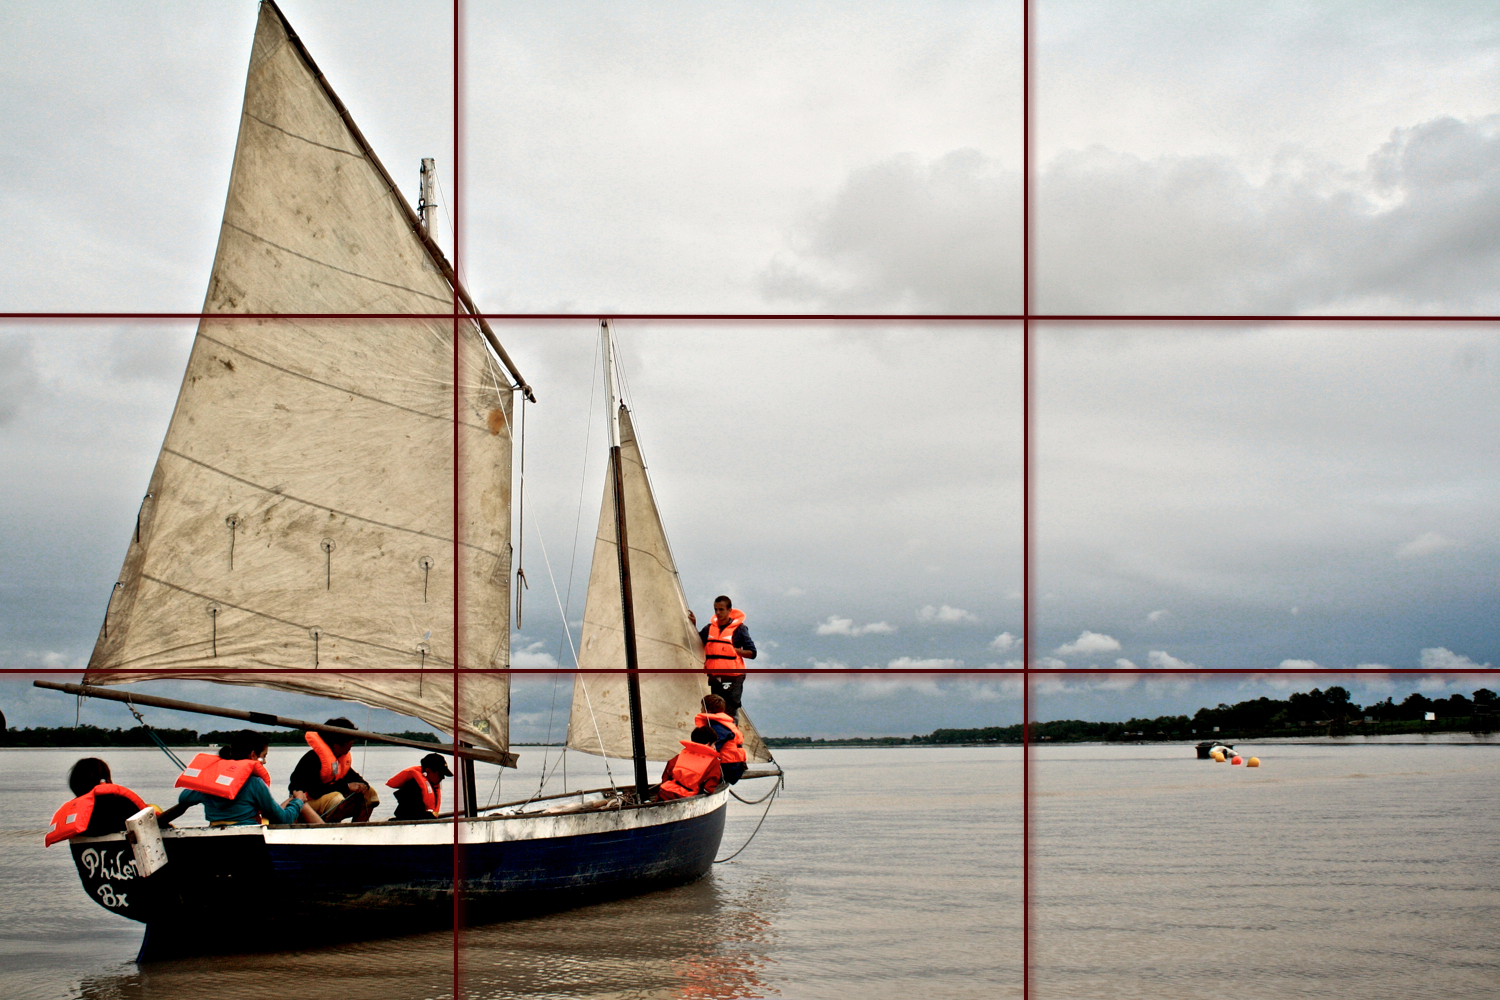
(1226, 496)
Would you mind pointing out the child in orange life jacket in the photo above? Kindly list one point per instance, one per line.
(246, 804)
(694, 770)
(99, 807)
(727, 739)
(419, 793)
(334, 789)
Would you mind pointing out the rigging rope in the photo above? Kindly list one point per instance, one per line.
(567, 604)
(181, 766)
(771, 795)
(581, 683)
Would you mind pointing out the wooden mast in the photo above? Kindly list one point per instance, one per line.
(622, 546)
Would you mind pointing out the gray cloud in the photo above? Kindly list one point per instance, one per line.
(907, 236)
(18, 374)
(1417, 229)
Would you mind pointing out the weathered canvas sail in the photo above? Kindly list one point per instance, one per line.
(304, 509)
(665, 641)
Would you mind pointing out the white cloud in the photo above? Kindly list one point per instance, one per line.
(1425, 545)
(1161, 660)
(1158, 615)
(1431, 685)
(1051, 663)
(908, 663)
(1372, 666)
(944, 614)
(845, 626)
(1124, 664)
(532, 658)
(1439, 658)
(1089, 642)
(1296, 665)
(1004, 642)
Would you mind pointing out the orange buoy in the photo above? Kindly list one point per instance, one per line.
(1218, 755)
(1253, 762)
(1236, 759)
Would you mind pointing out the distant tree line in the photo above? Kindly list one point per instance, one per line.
(93, 736)
(1329, 711)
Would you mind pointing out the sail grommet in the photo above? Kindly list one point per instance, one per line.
(316, 634)
(233, 522)
(213, 614)
(327, 546)
(426, 563)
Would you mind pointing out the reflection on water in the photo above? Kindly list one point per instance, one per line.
(696, 941)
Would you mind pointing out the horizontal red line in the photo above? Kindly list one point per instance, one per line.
(197, 674)
(506, 317)
(777, 317)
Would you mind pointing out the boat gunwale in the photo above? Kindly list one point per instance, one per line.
(302, 831)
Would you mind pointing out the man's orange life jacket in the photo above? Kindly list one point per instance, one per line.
(213, 775)
(72, 820)
(720, 658)
(432, 798)
(330, 769)
(688, 769)
(733, 750)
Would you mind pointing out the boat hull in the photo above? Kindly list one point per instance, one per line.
(378, 879)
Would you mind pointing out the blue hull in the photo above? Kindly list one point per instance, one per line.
(385, 879)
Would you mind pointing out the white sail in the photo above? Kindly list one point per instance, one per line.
(324, 501)
(666, 644)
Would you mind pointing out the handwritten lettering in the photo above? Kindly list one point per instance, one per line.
(121, 866)
(108, 896)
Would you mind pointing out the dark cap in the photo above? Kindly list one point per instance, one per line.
(435, 762)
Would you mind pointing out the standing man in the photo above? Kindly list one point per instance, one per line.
(726, 647)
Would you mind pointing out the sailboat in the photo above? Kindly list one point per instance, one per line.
(330, 515)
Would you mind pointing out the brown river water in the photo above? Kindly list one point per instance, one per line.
(1360, 870)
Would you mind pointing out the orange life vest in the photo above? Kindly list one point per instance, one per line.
(213, 775)
(733, 750)
(720, 658)
(330, 769)
(432, 798)
(688, 769)
(72, 820)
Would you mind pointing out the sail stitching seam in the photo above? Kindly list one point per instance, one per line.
(324, 506)
(282, 621)
(334, 267)
(445, 418)
(303, 138)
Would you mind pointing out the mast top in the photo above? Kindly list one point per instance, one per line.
(611, 383)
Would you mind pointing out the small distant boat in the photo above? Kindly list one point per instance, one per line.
(1207, 747)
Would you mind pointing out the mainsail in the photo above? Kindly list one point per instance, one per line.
(665, 642)
(324, 500)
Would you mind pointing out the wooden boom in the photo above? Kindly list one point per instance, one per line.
(504, 759)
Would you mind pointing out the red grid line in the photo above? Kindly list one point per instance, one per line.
(1026, 317)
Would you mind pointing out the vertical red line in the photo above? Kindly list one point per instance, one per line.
(1026, 629)
(458, 858)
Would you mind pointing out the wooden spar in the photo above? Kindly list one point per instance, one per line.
(411, 216)
(504, 759)
(622, 547)
(632, 664)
